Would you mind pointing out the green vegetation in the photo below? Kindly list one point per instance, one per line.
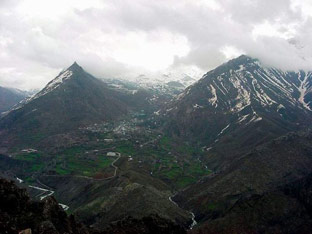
(126, 148)
(30, 157)
(197, 170)
(75, 150)
(173, 172)
(165, 142)
(211, 206)
(61, 171)
(186, 149)
(29, 180)
(34, 158)
(75, 160)
(104, 161)
(181, 174)
(88, 167)
(184, 181)
(36, 167)
(174, 162)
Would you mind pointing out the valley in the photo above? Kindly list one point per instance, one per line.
(110, 151)
(142, 156)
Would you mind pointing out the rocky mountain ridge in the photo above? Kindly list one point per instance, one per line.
(241, 103)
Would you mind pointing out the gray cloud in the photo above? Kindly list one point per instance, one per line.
(123, 38)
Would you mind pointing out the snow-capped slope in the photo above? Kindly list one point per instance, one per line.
(251, 84)
(304, 89)
(73, 99)
(167, 82)
(65, 75)
(242, 98)
(55, 83)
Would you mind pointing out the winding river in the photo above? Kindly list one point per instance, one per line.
(193, 215)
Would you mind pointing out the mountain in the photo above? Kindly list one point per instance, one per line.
(171, 82)
(251, 122)
(239, 105)
(10, 97)
(229, 149)
(176, 84)
(72, 100)
(267, 190)
(101, 202)
(20, 214)
(147, 97)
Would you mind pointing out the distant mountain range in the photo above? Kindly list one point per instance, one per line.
(10, 97)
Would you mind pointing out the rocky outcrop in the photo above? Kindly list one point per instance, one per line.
(19, 214)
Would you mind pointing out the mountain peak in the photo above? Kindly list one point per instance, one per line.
(60, 79)
(241, 60)
(237, 63)
(246, 90)
(75, 67)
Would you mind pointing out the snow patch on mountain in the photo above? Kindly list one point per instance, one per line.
(242, 118)
(243, 95)
(280, 106)
(52, 85)
(223, 130)
(213, 100)
(303, 89)
(196, 106)
(254, 119)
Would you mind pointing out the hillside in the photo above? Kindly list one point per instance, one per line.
(20, 214)
(239, 105)
(74, 99)
(267, 189)
(117, 153)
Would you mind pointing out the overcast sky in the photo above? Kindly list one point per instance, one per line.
(125, 38)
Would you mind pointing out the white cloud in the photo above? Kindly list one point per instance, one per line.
(123, 38)
(231, 52)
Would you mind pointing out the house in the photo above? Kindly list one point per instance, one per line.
(108, 140)
(111, 154)
(29, 151)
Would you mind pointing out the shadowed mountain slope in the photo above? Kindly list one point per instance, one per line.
(72, 100)
(239, 105)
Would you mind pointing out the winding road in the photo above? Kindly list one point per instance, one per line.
(49, 192)
(45, 192)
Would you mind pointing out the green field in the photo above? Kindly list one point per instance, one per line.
(74, 160)
(35, 161)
